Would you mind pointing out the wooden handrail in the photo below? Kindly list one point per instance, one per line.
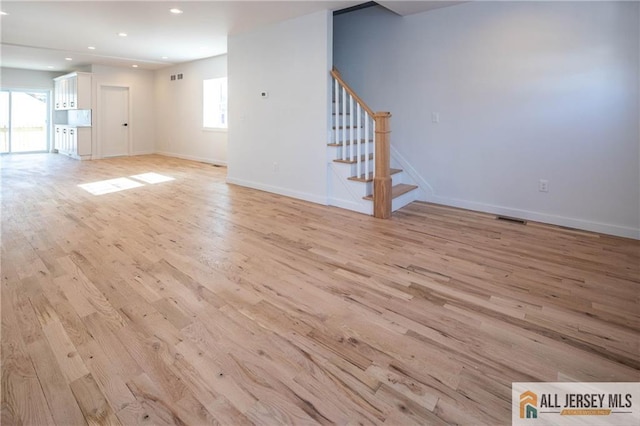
(336, 74)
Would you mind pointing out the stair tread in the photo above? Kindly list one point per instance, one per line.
(362, 158)
(362, 177)
(396, 191)
(349, 142)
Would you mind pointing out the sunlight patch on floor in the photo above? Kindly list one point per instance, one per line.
(110, 185)
(120, 184)
(152, 178)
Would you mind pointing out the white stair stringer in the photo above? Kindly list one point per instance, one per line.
(345, 193)
(411, 176)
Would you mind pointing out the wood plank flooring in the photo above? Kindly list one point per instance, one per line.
(195, 302)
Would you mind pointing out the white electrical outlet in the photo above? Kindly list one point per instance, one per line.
(435, 117)
(276, 167)
(543, 185)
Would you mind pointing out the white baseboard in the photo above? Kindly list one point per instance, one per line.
(215, 161)
(144, 152)
(426, 193)
(364, 208)
(279, 190)
(603, 228)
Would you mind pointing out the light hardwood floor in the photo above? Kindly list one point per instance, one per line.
(194, 302)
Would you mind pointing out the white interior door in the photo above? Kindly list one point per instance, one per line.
(114, 125)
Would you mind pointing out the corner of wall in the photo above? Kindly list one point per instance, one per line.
(278, 143)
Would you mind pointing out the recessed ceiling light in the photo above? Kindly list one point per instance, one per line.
(122, 34)
(134, 66)
(175, 11)
(68, 59)
(49, 66)
(3, 13)
(91, 48)
(165, 57)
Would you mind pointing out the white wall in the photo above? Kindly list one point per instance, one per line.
(525, 91)
(179, 112)
(13, 78)
(141, 100)
(278, 144)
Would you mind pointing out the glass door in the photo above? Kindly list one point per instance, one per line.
(23, 121)
(4, 122)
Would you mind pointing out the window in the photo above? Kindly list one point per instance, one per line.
(214, 105)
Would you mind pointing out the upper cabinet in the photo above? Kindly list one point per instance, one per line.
(73, 91)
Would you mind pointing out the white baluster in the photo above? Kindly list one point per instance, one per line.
(344, 123)
(336, 111)
(358, 138)
(351, 136)
(366, 145)
(373, 125)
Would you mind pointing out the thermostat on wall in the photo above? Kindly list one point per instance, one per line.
(264, 95)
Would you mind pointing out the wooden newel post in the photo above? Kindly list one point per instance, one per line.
(382, 177)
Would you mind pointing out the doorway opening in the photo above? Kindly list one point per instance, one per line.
(24, 123)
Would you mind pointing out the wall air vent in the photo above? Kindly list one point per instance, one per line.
(512, 220)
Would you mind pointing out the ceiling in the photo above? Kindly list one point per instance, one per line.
(39, 35)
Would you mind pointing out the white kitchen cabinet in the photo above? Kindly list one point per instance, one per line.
(72, 96)
(73, 141)
(83, 143)
(72, 91)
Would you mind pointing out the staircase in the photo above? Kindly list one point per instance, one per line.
(361, 177)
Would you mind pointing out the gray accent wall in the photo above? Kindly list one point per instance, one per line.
(523, 91)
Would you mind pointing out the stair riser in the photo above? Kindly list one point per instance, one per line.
(333, 138)
(344, 123)
(353, 169)
(339, 112)
(403, 200)
(339, 149)
(395, 179)
(362, 189)
(349, 170)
